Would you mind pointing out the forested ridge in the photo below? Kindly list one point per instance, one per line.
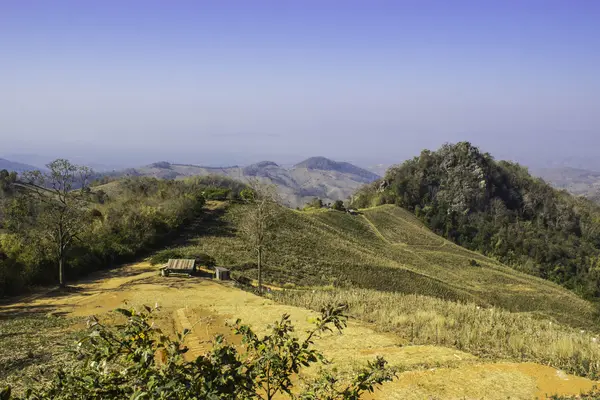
(499, 209)
(100, 226)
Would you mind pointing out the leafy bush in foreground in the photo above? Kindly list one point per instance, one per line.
(137, 361)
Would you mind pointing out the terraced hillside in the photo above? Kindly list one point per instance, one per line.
(384, 248)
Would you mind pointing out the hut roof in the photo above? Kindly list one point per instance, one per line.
(177, 263)
(221, 269)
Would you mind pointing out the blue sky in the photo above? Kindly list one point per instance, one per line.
(219, 82)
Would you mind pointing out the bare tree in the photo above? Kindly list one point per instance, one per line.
(259, 220)
(61, 198)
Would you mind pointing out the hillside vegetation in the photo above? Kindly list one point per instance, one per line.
(499, 209)
(119, 221)
(388, 249)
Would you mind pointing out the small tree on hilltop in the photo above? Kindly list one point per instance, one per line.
(315, 203)
(60, 210)
(338, 205)
(259, 220)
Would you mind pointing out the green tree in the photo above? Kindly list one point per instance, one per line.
(137, 361)
(338, 205)
(259, 221)
(7, 180)
(60, 209)
(315, 203)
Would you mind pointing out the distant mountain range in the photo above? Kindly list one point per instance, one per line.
(15, 166)
(297, 185)
(314, 177)
(580, 182)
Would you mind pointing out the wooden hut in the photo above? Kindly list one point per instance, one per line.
(179, 266)
(222, 274)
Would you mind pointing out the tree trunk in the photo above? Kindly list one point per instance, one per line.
(61, 280)
(260, 288)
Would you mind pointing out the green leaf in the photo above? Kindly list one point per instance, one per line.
(125, 312)
(5, 393)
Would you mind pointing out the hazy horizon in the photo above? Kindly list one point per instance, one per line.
(232, 82)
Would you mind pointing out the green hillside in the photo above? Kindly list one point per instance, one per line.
(498, 209)
(385, 248)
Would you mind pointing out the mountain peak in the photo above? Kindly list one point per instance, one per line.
(326, 164)
(258, 168)
(161, 165)
(264, 164)
(318, 162)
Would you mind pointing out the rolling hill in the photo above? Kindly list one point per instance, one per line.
(499, 209)
(387, 249)
(314, 177)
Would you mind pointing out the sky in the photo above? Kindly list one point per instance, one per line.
(233, 82)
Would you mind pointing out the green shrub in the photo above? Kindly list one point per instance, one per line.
(474, 263)
(137, 361)
(338, 205)
(216, 193)
(205, 260)
(163, 256)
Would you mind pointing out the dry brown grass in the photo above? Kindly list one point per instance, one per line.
(432, 371)
(487, 332)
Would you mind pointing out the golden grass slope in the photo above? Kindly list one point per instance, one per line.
(431, 371)
(487, 332)
(387, 249)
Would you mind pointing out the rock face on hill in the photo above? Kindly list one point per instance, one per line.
(315, 177)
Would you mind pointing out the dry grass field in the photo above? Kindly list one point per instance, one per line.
(206, 306)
